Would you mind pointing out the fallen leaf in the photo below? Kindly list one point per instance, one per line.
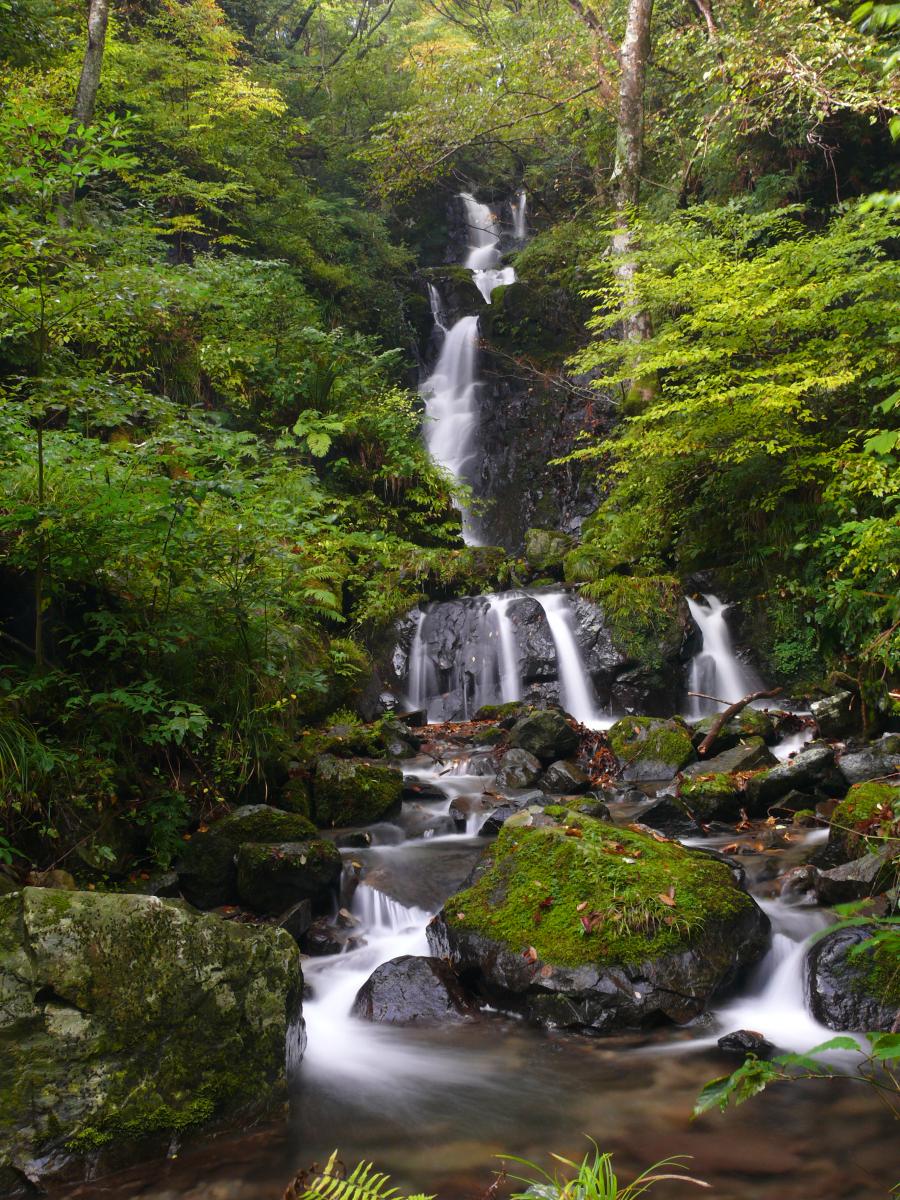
(530, 955)
(460, 916)
(666, 899)
(573, 831)
(582, 906)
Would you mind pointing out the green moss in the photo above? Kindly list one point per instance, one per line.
(880, 974)
(868, 808)
(497, 712)
(645, 613)
(649, 739)
(537, 879)
(346, 792)
(489, 736)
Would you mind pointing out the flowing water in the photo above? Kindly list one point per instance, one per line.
(716, 671)
(435, 1106)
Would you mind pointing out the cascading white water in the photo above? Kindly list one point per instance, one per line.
(510, 678)
(576, 690)
(483, 256)
(437, 308)
(715, 670)
(518, 209)
(420, 676)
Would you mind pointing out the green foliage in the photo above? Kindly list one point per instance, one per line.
(333, 1183)
(594, 1179)
(763, 450)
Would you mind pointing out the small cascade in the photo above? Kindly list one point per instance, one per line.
(517, 208)
(715, 670)
(437, 308)
(483, 258)
(450, 399)
(510, 679)
(576, 690)
(383, 914)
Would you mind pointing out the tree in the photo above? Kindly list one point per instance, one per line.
(92, 64)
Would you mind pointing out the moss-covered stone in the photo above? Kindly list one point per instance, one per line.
(750, 722)
(207, 871)
(296, 796)
(867, 809)
(711, 797)
(489, 735)
(586, 924)
(272, 878)
(348, 792)
(126, 1019)
(651, 748)
(545, 733)
(647, 614)
(545, 549)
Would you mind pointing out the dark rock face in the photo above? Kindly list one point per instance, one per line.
(272, 877)
(748, 755)
(842, 991)
(866, 876)
(565, 778)
(545, 734)
(876, 761)
(537, 652)
(413, 991)
(746, 1041)
(811, 771)
(518, 769)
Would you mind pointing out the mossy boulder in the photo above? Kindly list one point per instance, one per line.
(749, 723)
(273, 877)
(651, 747)
(867, 809)
(748, 755)
(207, 870)
(711, 797)
(584, 925)
(296, 796)
(546, 734)
(351, 792)
(128, 1020)
(545, 550)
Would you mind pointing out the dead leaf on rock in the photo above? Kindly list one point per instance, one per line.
(530, 955)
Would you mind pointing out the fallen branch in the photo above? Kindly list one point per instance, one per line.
(731, 711)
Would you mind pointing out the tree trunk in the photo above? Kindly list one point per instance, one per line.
(633, 56)
(86, 96)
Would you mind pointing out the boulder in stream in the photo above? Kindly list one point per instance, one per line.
(584, 925)
(868, 808)
(413, 991)
(813, 771)
(270, 877)
(518, 769)
(878, 760)
(651, 748)
(354, 792)
(853, 991)
(127, 1020)
(565, 778)
(546, 734)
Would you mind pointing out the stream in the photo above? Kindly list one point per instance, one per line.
(434, 1107)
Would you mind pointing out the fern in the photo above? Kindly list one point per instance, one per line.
(363, 1183)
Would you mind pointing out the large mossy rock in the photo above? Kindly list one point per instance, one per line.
(651, 747)
(856, 991)
(748, 723)
(545, 550)
(584, 925)
(207, 870)
(272, 878)
(868, 808)
(546, 734)
(127, 1020)
(350, 792)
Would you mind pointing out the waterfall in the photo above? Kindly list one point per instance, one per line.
(576, 690)
(483, 256)
(510, 679)
(518, 208)
(437, 308)
(715, 670)
(420, 674)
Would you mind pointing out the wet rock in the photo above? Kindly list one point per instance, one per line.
(272, 876)
(747, 755)
(711, 797)
(415, 717)
(858, 992)
(534, 641)
(413, 991)
(876, 761)
(518, 769)
(128, 1019)
(799, 881)
(651, 748)
(575, 967)
(207, 873)
(464, 807)
(749, 723)
(546, 734)
(356, 839)
(868, 808)
(746, 1041)
(297, 921)
(812, 770)
(495, 821)
(836, 715)
(565, 778)
(324, 938)
(866, 876)
(671, 816)
(352, 792)
(161, 883)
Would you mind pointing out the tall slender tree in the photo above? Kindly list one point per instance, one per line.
(92, 64)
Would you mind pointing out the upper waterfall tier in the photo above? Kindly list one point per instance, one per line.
(716, 671)
(483, 257)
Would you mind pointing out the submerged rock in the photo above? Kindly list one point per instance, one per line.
(413, 991)
(587, 926)
(859, 992)
(352, 792)
(207, 870)
(126, 1020)
(270, 877)
(651, 748)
